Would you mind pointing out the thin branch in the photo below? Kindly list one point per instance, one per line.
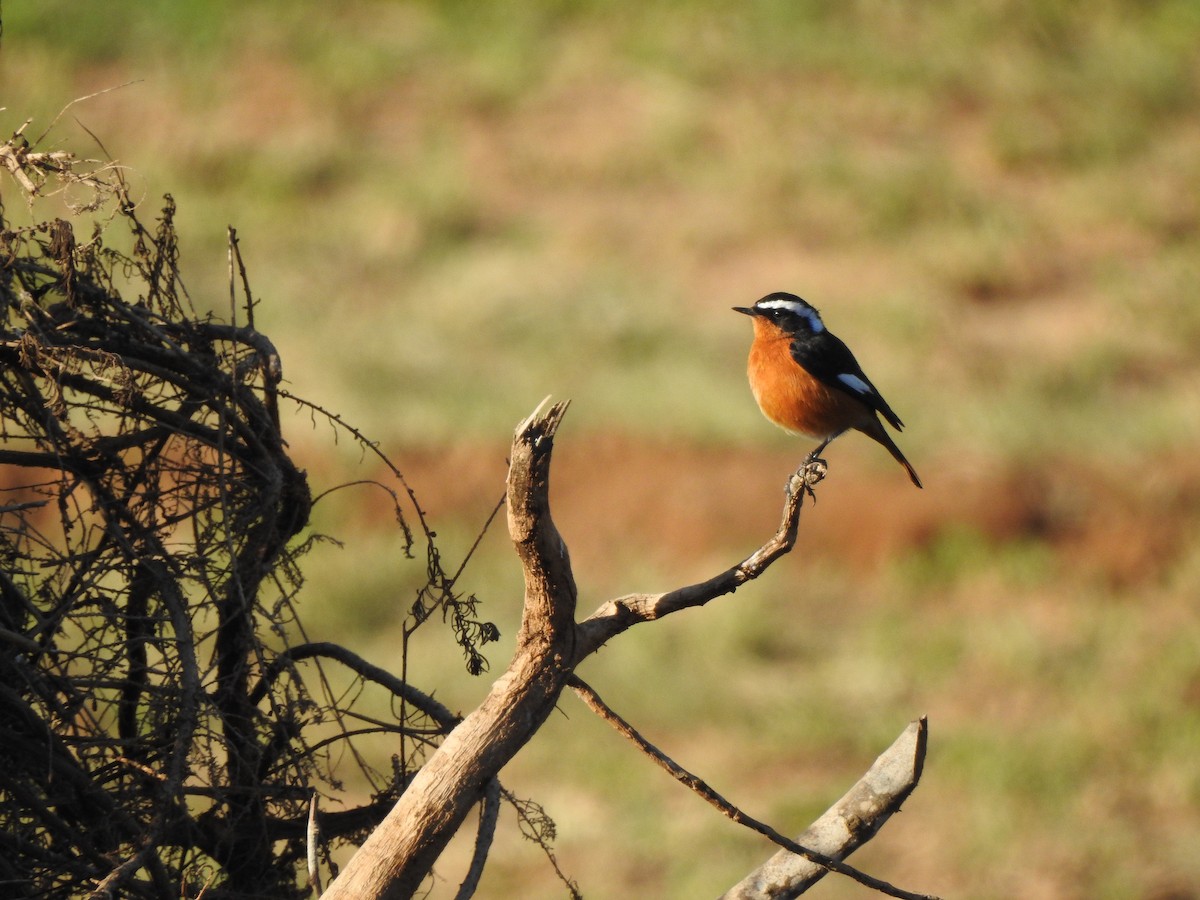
(325, 650)
(539, 828)
(311, 838)
(83, 99)
(697, 784)
(845, 826)
(623, 613)
(111, 882)
(489, 812)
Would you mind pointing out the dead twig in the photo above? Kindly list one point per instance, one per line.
(845, 826)
(623, 613)
(693, 782)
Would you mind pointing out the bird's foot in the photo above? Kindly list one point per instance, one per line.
(812, 471)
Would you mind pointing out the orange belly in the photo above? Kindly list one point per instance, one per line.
(793, 399)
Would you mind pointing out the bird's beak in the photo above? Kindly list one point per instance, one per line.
(745, 310)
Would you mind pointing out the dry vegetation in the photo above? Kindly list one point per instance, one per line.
(451, 213)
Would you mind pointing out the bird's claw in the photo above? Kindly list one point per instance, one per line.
(815, 469)
(812, 471)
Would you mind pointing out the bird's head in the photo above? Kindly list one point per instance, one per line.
(786, 312)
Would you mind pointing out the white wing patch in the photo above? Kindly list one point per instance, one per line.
(798, 307)
(855, 383)
(813, 319)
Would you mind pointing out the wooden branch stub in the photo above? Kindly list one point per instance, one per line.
(395, 859)
(846, 825)
(550, 592)
(529, 470)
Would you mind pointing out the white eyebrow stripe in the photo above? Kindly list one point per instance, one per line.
(800, 309)
(855, 383)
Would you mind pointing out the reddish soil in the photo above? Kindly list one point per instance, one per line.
(622, 501)
(618, 499)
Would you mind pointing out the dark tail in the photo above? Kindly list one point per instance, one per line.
(879, 434)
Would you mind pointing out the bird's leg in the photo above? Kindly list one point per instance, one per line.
(812, 470)
(815, 456)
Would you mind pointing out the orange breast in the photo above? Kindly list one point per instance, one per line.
(792, 398)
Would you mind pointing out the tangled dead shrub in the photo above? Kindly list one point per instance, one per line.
(158, 733)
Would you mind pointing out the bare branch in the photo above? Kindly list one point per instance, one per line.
(312, 836)
(623, 613)
(325, 650)
(845, 826)
(813, 859)
(489, 812)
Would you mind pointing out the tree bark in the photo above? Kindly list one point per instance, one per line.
(394, 860)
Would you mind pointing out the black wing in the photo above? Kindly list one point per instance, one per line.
(830, 361)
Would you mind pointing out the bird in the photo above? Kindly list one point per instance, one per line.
(806, 380)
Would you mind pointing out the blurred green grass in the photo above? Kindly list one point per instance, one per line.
(452, 209)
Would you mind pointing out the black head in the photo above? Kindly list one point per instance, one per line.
(788, 312)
